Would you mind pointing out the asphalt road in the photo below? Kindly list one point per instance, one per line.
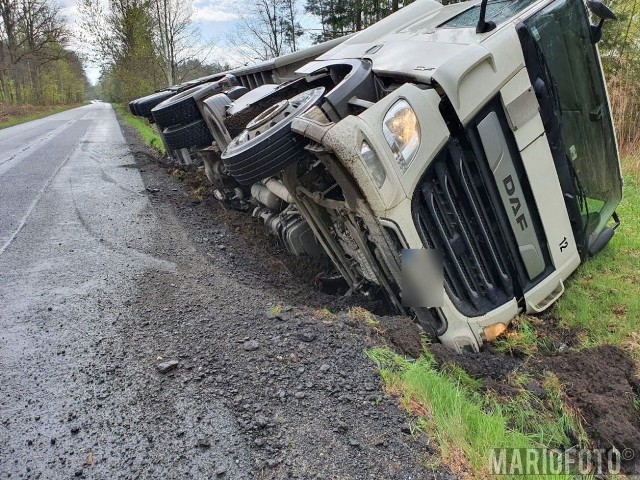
(108, 268)
(75, 228)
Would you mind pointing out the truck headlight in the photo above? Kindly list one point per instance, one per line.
(401, 129)
(373, 163)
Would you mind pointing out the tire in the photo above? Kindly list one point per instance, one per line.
(236, 92)
(215, 110)
(253, 97)
(136, 108)
(268, 145)
(192, 135)
(226, 79)
(132, 108)
(145, 104)
(182, 109)
(217, 105)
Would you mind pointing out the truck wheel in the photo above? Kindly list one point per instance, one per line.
(215, 110)
(182, 108)
(268, 145)
(247, 107)
(236, 92)
(194, 134)
(132, 108)
(145, 104)
(217, 105)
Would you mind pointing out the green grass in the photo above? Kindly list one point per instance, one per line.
(148, 133)
(36, 116)
(467, 425)
(323, 314)
(603, 296)
(359, 314)
(520, 338)
(548, 419)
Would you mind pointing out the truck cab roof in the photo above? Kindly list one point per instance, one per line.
(421, 37)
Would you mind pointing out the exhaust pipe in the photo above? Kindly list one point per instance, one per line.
(277, 188)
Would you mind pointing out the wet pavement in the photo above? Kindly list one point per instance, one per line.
(74, 235)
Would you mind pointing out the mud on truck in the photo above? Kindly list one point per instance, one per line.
(478, 131)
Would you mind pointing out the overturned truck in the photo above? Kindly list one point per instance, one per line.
(479, 131)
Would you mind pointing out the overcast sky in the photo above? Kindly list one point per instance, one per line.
(216, 19)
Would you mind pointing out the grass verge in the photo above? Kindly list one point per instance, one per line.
(35, 116)
(603, 297)
(148, 134)
(467, 425)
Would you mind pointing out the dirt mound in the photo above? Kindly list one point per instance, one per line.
(479, 365)
(402, 333)
(602, 384)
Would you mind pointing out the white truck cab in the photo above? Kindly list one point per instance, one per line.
(504, 157)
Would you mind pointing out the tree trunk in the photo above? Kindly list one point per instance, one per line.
(4, 87)
(292, 20)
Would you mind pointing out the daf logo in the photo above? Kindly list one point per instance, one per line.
(515, 202)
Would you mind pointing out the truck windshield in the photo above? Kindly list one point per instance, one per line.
(498, 11)
(561, 33)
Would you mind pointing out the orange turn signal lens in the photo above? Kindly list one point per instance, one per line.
(492, 332)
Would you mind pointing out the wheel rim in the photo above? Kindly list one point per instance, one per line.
(274, 116)
(270, 115)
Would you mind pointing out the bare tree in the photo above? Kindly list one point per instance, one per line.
(293, 28)
(177, 39)
(9, 12)
(166, 25)
(269, 29)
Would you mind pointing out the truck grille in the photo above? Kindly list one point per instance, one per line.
(453, 214)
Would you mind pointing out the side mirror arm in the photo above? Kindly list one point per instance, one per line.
(600, 10)
(484, 26)
(596, 31)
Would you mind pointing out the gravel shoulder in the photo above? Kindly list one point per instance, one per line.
(305, 399)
